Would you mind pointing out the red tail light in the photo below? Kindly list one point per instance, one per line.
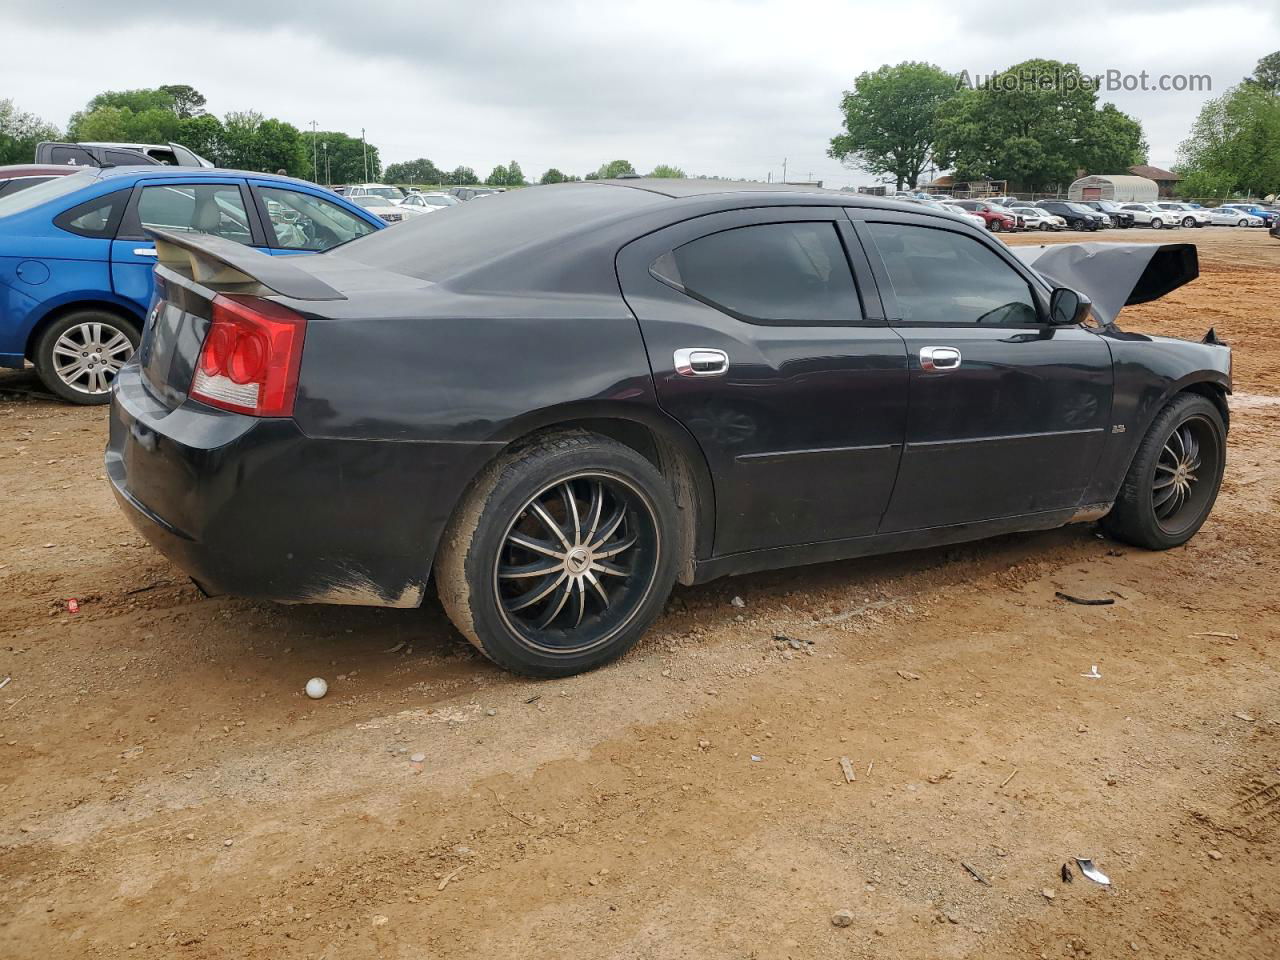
(250, 358)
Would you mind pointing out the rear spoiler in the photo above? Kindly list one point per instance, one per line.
(229, 267)
(1115, 275)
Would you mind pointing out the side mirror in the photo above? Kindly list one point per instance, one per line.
(1067, 307)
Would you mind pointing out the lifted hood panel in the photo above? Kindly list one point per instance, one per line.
(1114, 275)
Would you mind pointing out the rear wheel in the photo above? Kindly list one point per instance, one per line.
(1188, 221)
(1173, 481)
(560, 556)
(79, 355)
(1243, 223)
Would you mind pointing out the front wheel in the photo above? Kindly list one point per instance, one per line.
(79, 355)
(1243, 223)
(560, 556)
(1174, 478)
(994, 226)
(1157, 223)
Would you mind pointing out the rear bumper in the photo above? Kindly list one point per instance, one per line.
(254, 507)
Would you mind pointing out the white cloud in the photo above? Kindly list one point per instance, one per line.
(720, 87)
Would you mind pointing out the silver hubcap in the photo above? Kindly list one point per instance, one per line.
(88, 356)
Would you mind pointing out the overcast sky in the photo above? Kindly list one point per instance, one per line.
(726, 87)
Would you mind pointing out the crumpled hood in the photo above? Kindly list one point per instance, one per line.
(1114, 275)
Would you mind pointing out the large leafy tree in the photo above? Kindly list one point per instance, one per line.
(515, 176)
(1267, 73)
(186, 100)
(253, 142)
(497, 176)
(20, 132)
(891, 120)
(462, 175)
(421, 170)
(1234, 145)
(613, 168)
(666, 171)
(553, 176)
(1036, 125)
(346, 158)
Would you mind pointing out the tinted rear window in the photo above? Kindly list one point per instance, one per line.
(472, 234)
(18, 201)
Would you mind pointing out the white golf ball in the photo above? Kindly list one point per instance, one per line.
(317, 688)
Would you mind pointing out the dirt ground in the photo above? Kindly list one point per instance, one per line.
(166, 789)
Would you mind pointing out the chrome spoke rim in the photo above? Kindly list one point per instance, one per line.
(576, 562)
(88, 356)
(1179, 495)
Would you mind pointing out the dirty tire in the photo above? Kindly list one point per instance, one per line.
(46, 363)
(479, 563)
(1134, 517)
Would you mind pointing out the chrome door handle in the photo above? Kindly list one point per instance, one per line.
(939, 358)
(701, 362)
(144, 251)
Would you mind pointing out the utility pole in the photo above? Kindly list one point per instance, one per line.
(315, 159)
(365, 144)
(327, 181)
(784, 169)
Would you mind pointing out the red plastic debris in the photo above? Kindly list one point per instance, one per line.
(73, 605)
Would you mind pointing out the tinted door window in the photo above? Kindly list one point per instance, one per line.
(215, 209)
(768, 273)
(947, 278)
(300, 221)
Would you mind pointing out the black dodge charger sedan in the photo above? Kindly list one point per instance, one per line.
(561, 400)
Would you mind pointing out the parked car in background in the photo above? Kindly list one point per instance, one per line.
(976, 219)
(1268, 215)
(1149, 215)
(106, 154)
(383, 190)
(1234, 217)
(21, 176)
(668, 366)
(76, 264)
(470, 193)
(1036, 219)
(1076, 216)
(1006, 201)
(381, 207)
(1184, 213)
(996, 218)
(1119, 216)
(429, 202)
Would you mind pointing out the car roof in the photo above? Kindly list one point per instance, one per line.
(36, 170)
(151, 170)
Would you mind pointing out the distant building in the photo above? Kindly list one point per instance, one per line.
(1166, 180)
(1122, 189)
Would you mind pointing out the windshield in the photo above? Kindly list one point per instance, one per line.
(370, 201)
(43, 192)
(390, 193)
(1080, 208)
(441, 201)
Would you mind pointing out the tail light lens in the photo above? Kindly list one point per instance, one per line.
(250, 358)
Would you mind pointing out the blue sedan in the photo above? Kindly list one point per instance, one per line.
(76, 264)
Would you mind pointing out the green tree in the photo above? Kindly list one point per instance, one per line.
(1233, 145)
(663, 170)
(20, 132)
(497, 177)
(515, 176)
(346, 158)
(1267, 73)
(462, 175)
(614, 168)
(421, 170)
(202, 133)
(552, 176)
(891, 120)
(1036, 125)
(186, 100)
(252, 142)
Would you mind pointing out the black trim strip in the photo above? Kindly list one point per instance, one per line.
(782, 454)
(1010, 436)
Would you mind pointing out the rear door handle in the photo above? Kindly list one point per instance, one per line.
(939, 358)
(701, 362)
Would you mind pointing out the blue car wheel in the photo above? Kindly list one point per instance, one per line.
(79, 355)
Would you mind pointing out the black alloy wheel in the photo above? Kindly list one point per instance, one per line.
(1174, 478)
(560, 555)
